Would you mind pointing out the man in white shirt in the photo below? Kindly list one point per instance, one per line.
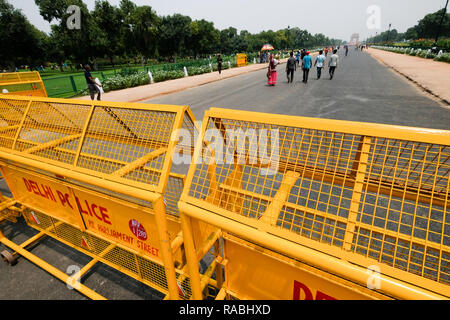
(320, 63)
(333, 64)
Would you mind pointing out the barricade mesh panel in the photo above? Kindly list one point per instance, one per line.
(172, 195)
(125, 143)
(22, 83)
(11, 114)
(136, 266)
(382, 198)
(8, 214)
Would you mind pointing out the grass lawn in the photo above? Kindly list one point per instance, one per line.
(70, 83)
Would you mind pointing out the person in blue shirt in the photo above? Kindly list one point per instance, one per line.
(306, 66)
(297, 57)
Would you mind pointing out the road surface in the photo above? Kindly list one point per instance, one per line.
(362, 90)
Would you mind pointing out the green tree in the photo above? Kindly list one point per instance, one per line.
(227, 36)
(142, 31)
(109, 20)
(411, 34)
(281, 39)
(429, 25)
(81, 45)
(22, 42)
(174, 33)
(204, 38)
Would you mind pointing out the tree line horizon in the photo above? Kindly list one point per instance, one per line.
(129, 32)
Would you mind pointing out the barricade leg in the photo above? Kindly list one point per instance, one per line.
(49, 268)
(166, 248)
(191, 256)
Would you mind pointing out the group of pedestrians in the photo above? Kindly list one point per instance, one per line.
(304, 60)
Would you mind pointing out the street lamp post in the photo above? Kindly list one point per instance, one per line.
(390, 32)
(440, 23)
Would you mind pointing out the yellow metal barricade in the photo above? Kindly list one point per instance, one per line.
(241, 59)
(22, 83)
(99, 177)
(318, 209)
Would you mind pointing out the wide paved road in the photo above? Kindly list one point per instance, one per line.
(363, 90)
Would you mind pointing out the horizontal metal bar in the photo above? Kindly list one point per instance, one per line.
(33, 239)
(52, 143)
(139, 162)
(113, 265)
(118, 105)
(146, 195)
(393, 287)
(51, 269)
(4, 83)
(434, 136)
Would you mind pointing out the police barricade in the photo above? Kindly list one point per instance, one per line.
(98, 176)
(22, 83)
(241, 59)
(309, 208)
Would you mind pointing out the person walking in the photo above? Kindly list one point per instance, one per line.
(333, 64)
(306, 66)
(291, 67)
(92, 86)
(219, 63)
(297, 57)
(302, 54)
(272, 71)
(346, 50)
(320, 63)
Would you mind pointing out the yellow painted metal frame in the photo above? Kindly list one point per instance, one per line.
(113, 178)
(29, 159)
(23, 78)
(343, 262)
(21, 249)
(241, 59)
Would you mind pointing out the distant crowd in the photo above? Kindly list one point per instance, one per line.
(303, 59)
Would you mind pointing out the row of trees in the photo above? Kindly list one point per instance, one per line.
(427, 28)
(128, 31)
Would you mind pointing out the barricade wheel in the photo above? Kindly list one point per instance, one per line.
(8, 257)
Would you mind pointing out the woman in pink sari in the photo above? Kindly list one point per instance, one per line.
(272, 72)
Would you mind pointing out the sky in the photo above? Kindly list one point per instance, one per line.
(334, 18)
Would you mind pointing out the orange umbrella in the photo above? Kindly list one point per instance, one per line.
(267, 47)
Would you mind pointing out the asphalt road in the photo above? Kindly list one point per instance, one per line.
(362, 90)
